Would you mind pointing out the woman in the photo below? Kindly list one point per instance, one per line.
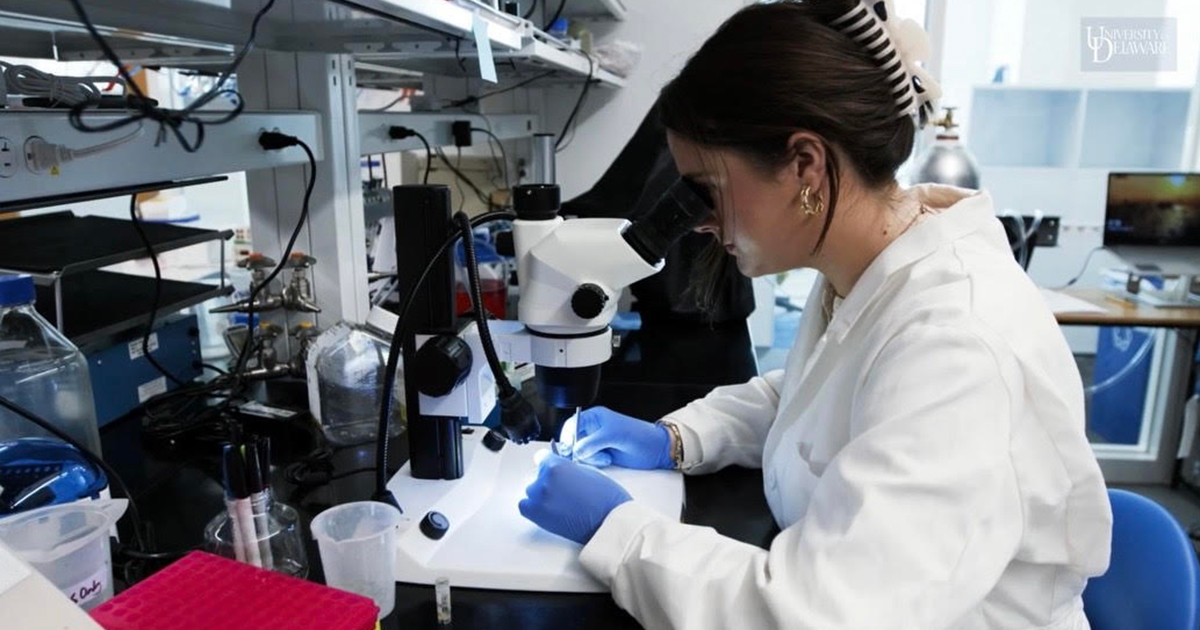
(924, 451)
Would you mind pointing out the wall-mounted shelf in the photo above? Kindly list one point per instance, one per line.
(97, 304)
(227, 148)
(428, 36)
(178, 29)
(64, 244)
(65, 254)
(596, 9)
(46, 201)
(381, 77)
(373, 127)
(1024, 127)
(542, 55)
(534, 58)
(1134, 128)
(1117, 129)
(440, 16)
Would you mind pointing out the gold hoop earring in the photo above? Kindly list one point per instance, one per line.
(806, 204)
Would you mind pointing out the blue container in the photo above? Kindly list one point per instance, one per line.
(1121, 379)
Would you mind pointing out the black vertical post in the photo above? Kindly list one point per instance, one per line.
(422, 225)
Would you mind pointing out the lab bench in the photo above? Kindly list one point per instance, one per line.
(652, 372)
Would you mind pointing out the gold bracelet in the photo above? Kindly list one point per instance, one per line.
(676, 444)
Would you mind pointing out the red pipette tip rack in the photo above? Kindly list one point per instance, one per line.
(206, 592)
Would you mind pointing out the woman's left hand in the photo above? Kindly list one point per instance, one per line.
(569, 499)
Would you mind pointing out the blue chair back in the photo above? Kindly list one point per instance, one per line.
(1153, 581)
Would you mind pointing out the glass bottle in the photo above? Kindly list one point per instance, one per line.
(269, 537)
(41, 370)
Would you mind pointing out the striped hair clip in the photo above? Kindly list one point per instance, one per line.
(898, 46)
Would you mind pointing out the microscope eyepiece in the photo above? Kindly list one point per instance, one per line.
(536, 202)
(678, 211)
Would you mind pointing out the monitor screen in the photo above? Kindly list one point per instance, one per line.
(1153, 209)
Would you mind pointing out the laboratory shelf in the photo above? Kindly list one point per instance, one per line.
(64, 244)
(536, 57)
(577, 9)
(450, 18)
(46, 201)
(436, 127)
(227, 148)
(187, 24)
(431, 36)
(96, 304)
(177, 29)
(542, 54)
(596, 10)
(372, 76)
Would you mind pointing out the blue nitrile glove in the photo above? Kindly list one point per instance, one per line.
(607, 438)
(569, 499)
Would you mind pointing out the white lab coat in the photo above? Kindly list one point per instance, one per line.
(923, 453)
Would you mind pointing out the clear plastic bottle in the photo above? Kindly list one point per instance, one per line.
(41, 370)
(345, 374)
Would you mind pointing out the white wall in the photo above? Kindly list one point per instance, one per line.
(669, 32)
(1052, 42)
(1039, 41)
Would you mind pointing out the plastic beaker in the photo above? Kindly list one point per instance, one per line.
(358, 549)
(68, 544)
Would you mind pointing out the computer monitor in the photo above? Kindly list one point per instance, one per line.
(1152, 221)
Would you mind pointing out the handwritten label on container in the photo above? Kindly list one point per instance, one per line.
(89, 588)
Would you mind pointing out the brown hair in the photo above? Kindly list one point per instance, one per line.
(774, 69)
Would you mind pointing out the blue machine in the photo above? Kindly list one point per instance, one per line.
(1122, 376)
(123, 379)
(36, 472)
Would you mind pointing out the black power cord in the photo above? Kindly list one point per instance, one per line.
(274, 141)
(557, 14)
(398, 132)
(316, 469)
(517, 417)
(559, 146)
(167, 119)
(209, 366)
(1086, 261)
(503, 153)
(485, 333)
(462, 177)
(382, 494)
(532, 7)
(137, 225)
(471, 100)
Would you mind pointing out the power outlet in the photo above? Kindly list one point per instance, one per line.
(8, 158)
(1047, 234)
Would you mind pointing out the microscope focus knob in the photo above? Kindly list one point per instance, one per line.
(441, 364)
(588, 301)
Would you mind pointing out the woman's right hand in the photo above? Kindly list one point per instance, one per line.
(608, 438)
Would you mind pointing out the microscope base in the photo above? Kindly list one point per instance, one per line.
(489, 544)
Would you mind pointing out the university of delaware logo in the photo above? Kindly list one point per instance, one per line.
(1128, 45)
